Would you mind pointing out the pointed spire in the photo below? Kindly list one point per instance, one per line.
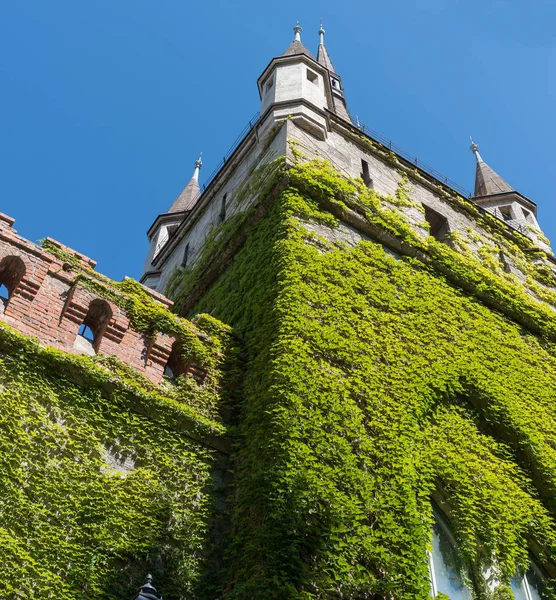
(322, 57)
(296, 47)
(487, 181)
(186, 200)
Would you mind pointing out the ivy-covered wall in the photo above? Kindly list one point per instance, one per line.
(105, 476)
(373, 382)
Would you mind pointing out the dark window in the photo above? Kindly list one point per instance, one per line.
(222, 215)
(12, 270)
(365, 174)
(312, 77)
(507, 213)
(185, 256)
(438, 224)
(176, 364)
(94, 324)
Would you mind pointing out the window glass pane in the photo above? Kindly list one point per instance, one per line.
(518, 588)
(535, 583)
(447, 565)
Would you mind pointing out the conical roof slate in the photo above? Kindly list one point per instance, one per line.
(323, 58)
(186, 200)
(488, 182)
(296, 47)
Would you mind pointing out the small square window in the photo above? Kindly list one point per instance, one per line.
(507, 213)
(312, 77)
(438, 224)
(269, 83)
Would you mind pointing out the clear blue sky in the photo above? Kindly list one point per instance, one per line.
(105, 105)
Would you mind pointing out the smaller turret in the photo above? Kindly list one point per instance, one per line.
(165, 224)
(496, 196)
(298, 87)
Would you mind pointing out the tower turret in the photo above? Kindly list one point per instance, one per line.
(496, 196)
(165, 224)
(297, 86)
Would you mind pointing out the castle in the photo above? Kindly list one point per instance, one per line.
(335, 380)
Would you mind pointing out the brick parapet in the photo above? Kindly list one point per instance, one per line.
(47, 301)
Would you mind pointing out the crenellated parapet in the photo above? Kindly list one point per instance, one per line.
(53, 293)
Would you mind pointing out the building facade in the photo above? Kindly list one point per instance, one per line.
(351, 396)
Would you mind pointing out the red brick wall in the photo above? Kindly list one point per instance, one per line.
(47, 305)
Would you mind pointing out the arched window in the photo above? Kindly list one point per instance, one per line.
(12, 270)
(446, 567)
(93, 326)
(176, 365)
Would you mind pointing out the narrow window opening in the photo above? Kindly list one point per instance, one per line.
(505, 262)
(438, 224)
(185, 256)
(365, 174)
(312, 77)
(175, 365)
(507, 213)
(12, 270)
(269, 83)
(92, 329)
(222, 215)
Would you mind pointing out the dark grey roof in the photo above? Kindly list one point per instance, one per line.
(488, 182)
(297, 48)
(187, 199)
(324, 59)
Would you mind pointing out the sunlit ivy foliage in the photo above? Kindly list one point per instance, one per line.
(373, 382)
(104, 478)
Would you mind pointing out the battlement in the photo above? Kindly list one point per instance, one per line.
(51, 292)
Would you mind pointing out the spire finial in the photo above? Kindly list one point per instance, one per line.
(198, 165)
(321, 33)
(475, 149)
(297, 30)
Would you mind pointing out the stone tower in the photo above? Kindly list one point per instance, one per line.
(361, 406)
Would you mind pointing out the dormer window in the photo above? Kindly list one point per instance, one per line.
(312, 77)
(336, 85)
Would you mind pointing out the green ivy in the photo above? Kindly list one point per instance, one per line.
(371, 383)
